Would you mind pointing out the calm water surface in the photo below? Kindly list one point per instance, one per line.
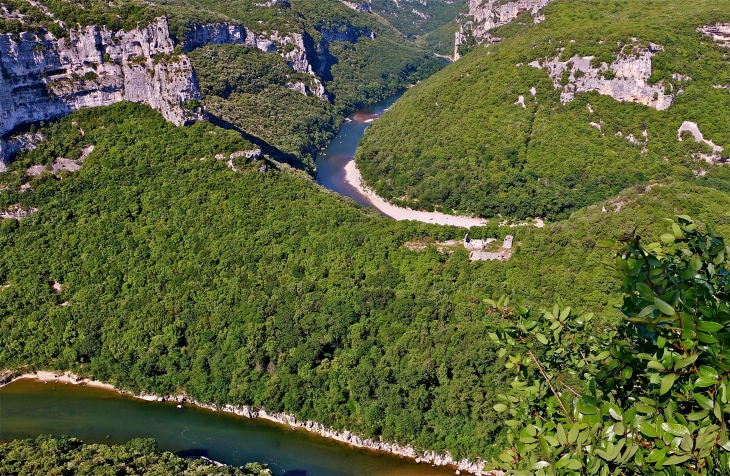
(331, 161)
(30, 408)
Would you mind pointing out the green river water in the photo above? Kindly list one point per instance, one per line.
(29, 408)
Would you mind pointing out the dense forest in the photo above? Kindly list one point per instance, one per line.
(463, 141)
(158, 267)
(63, 455)
(155, 270)
(414, 18)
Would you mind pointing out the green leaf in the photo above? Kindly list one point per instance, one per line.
(667, 238)
(694, 416)
(705, 382)
(560, 434)
(675, 429)
(667, 382)
(645, 292)
(643, 408)
(664, 307)
(586, 408)
(676, 230)
(541, 337)
(500, 407)
(682, 363)
(709, 372)
(708, 326)
(506, 457)
(648, 429)
(706, 338)
(703, 401)
(674, 460)
(655, 364)
(695, 263)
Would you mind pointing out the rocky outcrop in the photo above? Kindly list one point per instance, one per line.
(486, 15)
(625, 79)
(10, 147)
(359, 6)
(44, 77)
(292, 47)
(693, 129)
(720, 33)
(429, 457)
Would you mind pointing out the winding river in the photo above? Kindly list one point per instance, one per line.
(336, 171)
(29, 408)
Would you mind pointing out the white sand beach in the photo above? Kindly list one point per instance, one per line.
(65, 378)
(354, 178)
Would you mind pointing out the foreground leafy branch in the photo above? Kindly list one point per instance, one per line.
(648, 395)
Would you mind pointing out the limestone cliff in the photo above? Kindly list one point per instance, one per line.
(625, 79)
(44, 77)
(292, 47)
(485, 15)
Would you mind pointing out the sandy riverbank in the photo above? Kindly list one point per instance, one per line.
(281, 418)
(354, 178)
(64, 379)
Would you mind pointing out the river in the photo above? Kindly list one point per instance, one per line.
(29, 408)
(336, 170)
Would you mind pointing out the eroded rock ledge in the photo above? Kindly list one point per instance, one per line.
(46, 77)
(625, 79)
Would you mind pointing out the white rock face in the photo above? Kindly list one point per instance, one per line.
(692, 127)
(485, 15)
(720, 33)
(46, 78)
(359, 7)
(625, 79)
(12, 146)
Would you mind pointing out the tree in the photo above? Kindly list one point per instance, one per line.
(647, 395)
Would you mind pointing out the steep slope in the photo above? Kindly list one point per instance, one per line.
(415, 18)
(561, 114)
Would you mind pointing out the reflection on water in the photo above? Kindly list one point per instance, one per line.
(29, 408)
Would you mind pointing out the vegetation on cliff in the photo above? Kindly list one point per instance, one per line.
(462, 139)
(414, 18)
(49, 455)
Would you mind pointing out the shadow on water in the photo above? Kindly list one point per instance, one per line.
(332, 160)
(194, 453)
(295, 472)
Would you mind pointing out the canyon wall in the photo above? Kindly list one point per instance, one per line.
(485, 15)
(44, 77)
(626, 79)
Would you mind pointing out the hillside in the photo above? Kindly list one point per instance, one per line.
(160, 268)
(415, 18)
(171, 258)
(561, 114)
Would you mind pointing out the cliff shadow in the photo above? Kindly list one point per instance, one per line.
(268, 149)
